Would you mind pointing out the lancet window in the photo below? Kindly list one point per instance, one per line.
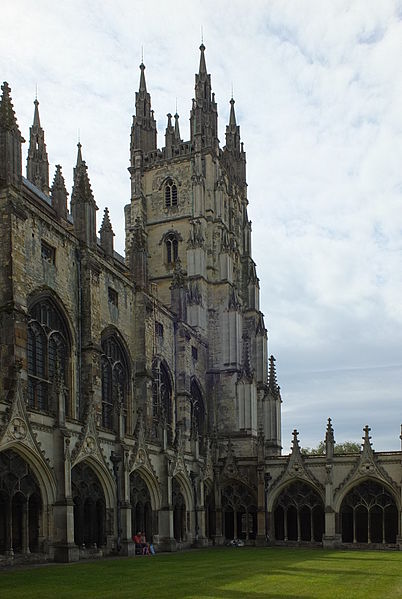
(162, 409)
(48, 357)
(172, 248)
(197, 414)
(115, 379)
(170, 193)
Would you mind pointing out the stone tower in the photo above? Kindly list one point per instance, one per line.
(190, 198)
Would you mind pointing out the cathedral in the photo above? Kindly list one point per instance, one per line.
(136, 391)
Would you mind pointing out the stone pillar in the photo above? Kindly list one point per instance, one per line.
(167, 541)
(261, 513)
(127, 544)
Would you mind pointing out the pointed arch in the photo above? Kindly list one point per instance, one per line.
(198, 413)
(49, 350)
(162, 398)
(105, 478)
(239, 508)
(115, 380)
(298, 510)
(152, 484)
(340, 496)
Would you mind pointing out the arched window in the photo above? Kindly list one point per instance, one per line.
(115, 377)
(162, 410)
(299, 514)
(239, 506)
(89, 507)
(369, 515)
(172, 248)
(197, 414)
(48, 357)
(170, 194)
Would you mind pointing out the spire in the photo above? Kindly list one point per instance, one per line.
(143, 130)
(83, 206)
(37, 161)
(204, 113)
(79, 155)
(106, 234)
(177, 137)
(59, 193)
(10, 141)
(143, 85)
(232, 118)
(202, 72)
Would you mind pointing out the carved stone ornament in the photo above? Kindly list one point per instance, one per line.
(17, 429)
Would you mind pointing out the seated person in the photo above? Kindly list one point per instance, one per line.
(145, 545)
(138, 541)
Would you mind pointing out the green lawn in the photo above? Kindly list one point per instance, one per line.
(224, 573)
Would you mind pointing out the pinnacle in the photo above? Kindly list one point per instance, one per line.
(232, 118)
(36, 121)
(79, 154)
(203, 66)
(106, 224)
(7, 114)
(58, 181)
(143, 85)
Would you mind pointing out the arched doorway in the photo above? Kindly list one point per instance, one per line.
(179, 513)
(369, 514)
(299, 514)
(20, 505)
(141, 510)
(239, 506)
(89, 507)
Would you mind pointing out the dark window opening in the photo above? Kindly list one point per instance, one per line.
(47, 252)
(113, 297)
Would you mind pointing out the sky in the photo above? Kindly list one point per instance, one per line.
(318, 91)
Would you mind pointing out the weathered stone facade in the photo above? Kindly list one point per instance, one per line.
(135, 392)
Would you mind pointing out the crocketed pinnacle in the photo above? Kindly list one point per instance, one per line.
(177, 137)
(8, 121)
(36, 120)
(82, 191)
(58, 180)
(272, 382)
(106, 225)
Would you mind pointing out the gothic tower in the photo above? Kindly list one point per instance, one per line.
(189, 199)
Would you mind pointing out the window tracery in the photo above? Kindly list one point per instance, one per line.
(170, 193)
(299, 514)
(48, 355)
(162, 409)
(197, 414)
(115, 377)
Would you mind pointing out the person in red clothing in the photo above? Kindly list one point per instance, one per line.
(138, 541)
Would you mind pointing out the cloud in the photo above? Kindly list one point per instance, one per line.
(318, 93)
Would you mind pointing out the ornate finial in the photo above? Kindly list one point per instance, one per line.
(366, 437)
(295, 441)
(329, 440)
(272, 382)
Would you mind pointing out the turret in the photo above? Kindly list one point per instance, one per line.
(37, 162)
(10, 142)
(204, 113)
(59, 194)
(83, 206)
(143, 130)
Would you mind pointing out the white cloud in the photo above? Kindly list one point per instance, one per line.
(318, 93)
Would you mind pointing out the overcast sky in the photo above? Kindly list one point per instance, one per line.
(318, 90)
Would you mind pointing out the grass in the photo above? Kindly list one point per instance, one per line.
(222, 573)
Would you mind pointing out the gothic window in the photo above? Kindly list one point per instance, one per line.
(299, 514)
(162, 411)
(172, 248)
(48, 356)
(369, 515)
(197, 414)
(115, 379)
(170, 193)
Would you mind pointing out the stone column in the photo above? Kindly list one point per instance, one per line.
(167, 541)
(127, 544)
